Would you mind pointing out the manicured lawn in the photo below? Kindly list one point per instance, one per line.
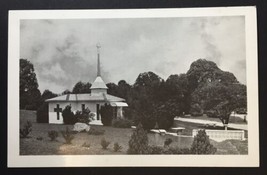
(36, 146)
(232, 119)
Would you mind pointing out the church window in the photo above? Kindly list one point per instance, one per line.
(83, 107)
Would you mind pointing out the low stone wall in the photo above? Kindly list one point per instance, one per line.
(221, 135)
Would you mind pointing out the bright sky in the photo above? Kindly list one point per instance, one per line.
(63, 52)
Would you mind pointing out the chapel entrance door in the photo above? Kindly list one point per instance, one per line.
(97, 111)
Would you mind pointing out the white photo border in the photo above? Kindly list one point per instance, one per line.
(17, 160)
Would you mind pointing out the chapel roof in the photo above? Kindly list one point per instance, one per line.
(99, 83)
(85, 97)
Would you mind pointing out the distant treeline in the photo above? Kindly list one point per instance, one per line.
(204, 88)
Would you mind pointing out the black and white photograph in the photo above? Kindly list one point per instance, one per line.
(120, 87)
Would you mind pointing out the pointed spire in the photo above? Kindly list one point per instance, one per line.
(98, 60)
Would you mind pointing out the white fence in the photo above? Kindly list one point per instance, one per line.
(220, 135)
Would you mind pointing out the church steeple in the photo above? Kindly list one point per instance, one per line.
(99, 86)
(98, 60)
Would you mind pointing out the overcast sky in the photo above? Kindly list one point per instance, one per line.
(63, 52)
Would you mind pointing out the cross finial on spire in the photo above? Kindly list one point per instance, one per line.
(98, 46)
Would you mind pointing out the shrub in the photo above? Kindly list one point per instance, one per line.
(155, 150)
(83, 116)
(104, 143)
(26, 130)
(39, 138)
(86, 145)
(42, 113)
(121, 123)
(96, 131)
(67, 135)
(106, 115)
(167, 142)
(201, 144)
(117, 147)
(52, 135)
(68, 116)
(128, 113)
(138, 144)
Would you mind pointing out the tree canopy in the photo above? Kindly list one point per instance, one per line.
(82, 88)
(30, 96)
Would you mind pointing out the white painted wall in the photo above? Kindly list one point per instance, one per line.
(74, 107)
(221, 135)
(98, 91)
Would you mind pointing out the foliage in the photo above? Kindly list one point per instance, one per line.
(144, 114)
(167, 142)
(68, 116)
(83, 116)
(112, 89)
(121, 123)
(81, 88)
(39, 138)
(106, 114)
(196, 110)
(177, 150)
(42, 113)
(86, 145)
(211, 113)
(203, 72)
(104, 143)
(117, 147)
(216, 90)
(67, 135)
(52, 135)
(138, 143)
(96, 131)
(155, 149)
(30, 96)
(166, 112)
(47, 94)
(26, 130)
(168, 150)
(123, 89)
(202, 145)
(152, 100)
(177, 90)
(241, 110)
(66, 92)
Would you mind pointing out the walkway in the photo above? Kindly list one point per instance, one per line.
(205, 122)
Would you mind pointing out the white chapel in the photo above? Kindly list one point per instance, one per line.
(97, 98)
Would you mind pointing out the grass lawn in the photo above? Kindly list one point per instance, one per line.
(232, 119)
(33, 146)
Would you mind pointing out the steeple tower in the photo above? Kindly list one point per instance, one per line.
(99, 86)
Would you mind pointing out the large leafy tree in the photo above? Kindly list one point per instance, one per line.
(177, 89)
(203, 71)
(42, 111)
(47, 94)
(81, 88)
(144, 98)
(222, 99)
(123, 89)
(30, 96)
(208, 85)
(112, 89)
